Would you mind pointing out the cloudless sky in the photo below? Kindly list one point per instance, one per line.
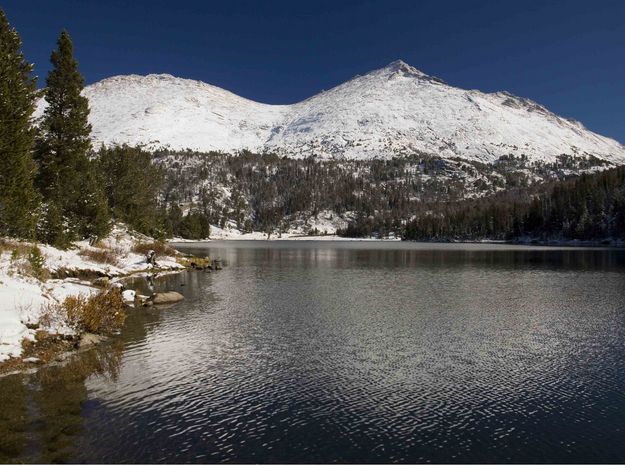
(569, 55)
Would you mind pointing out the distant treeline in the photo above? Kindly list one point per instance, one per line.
(588, 207)
(265, 192)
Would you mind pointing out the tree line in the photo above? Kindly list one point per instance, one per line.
(588, 207)
(266, 192)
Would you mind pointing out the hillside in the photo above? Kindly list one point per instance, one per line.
(395, 110)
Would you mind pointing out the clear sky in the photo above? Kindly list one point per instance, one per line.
(566, 54)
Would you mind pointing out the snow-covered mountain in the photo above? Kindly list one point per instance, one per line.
(390, 111)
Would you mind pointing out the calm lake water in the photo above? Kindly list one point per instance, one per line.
(348, 352)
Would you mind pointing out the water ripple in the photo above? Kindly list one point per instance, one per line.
(352, 355)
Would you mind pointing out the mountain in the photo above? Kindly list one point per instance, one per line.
(395, 110)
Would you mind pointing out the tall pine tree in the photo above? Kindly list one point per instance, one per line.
(19, 199)
(75, 204)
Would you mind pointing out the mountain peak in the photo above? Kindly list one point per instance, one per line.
(400, 66)
(391, 111)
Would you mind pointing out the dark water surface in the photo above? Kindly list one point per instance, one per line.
(348, 352)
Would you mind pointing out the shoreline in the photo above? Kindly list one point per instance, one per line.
(608, 244)
(88, 278)
(26, 295)
(70, 344)
(64, 345)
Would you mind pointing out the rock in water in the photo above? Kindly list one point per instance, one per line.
(167, 297)
(128, 296)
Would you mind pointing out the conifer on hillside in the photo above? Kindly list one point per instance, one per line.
(132, 184)
(19, 199)
(67, 176)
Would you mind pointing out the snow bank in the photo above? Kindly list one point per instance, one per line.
(20, 302)
(323, 226)
(120, 242)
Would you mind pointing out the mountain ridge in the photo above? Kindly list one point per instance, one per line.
(391, 111)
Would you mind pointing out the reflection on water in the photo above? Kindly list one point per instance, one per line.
(42, 414)
(364, 352)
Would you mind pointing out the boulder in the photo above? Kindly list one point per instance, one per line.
(32, 360)
(167, 297)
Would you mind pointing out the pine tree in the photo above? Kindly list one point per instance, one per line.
(174, 219)
(19, 199)
(67, 175)
(132, 184)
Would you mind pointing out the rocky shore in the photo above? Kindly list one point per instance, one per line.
(35, 279)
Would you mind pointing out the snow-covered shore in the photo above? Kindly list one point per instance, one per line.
(25, 293)
(324, 226)
(258, 236)
(235, 235)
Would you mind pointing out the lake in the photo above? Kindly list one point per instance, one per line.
(348, 352)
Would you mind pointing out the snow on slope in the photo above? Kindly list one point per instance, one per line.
(394, 110)
(163, 110)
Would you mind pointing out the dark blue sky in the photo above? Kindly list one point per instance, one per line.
(567, 54)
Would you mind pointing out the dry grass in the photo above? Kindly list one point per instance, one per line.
(161, 248)
(192, 261)
(26, 268)
(102, 313)
(16, 248)
(45, 348)
(27, 259)
(101, 255)
(5, 245)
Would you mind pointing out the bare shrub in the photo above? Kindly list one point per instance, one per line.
(101, 255)
(17, 248)
(102, 313)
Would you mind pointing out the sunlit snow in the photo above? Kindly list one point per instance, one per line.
(391, 111)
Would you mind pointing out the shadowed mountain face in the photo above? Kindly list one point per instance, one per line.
(395, 110)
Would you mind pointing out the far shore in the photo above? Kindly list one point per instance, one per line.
(260, 237)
